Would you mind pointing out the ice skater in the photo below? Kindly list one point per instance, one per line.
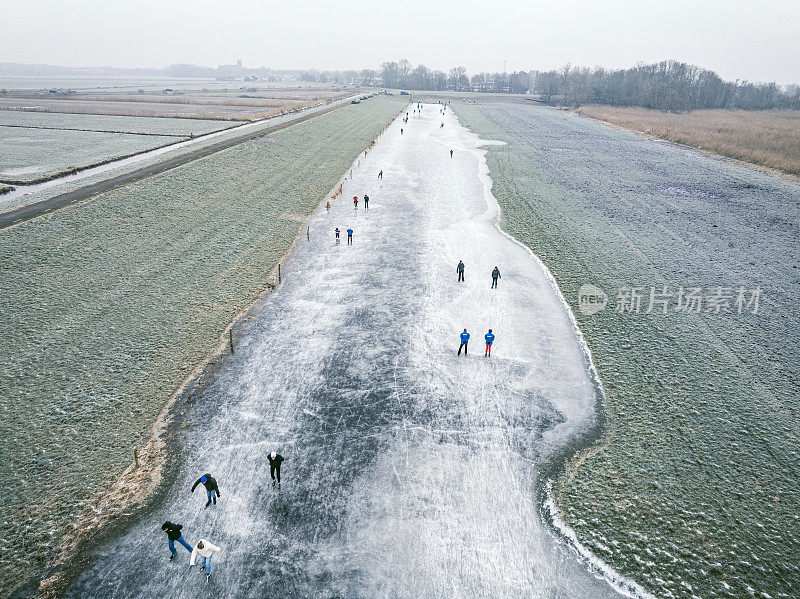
(464, 342)
(460, 271)
(205, 550)
(328, 206)
(174, 534)
(401, 130)
(380, 174)
(495, 276)
(355, 202)
(442, 127)
(489, 339)
(275, 460)
(210, 483)
(451, 153)
(336, 230)
(366, 202)
(349, 236)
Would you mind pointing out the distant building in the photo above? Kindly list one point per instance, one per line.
(230, 72)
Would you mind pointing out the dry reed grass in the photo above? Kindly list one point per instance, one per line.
(768, 138)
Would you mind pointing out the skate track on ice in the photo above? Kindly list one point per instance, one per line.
(409, 472)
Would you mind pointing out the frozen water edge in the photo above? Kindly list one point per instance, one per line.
(410, 472)
(625, 586)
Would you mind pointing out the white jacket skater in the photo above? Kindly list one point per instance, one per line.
(205, 550)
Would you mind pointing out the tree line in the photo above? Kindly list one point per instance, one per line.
(668, 85)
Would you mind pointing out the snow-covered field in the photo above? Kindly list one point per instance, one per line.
(410, 471)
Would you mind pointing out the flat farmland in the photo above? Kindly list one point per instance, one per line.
(29, 155)
(143, 107)
(111, 83)
(78, 82)
(116, 300)
(218, 103)
(692, 489)
(116, 124)
(44, 135)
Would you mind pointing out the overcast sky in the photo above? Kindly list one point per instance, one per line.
(757, 40)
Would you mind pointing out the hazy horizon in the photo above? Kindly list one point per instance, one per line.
(738, 40)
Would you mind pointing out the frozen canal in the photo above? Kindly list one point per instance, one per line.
(410, 471)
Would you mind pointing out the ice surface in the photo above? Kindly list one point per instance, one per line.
(410, 472)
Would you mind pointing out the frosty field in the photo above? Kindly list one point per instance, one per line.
(37, 192)
(234, 101)
(113, 301)
(141, 108)
(692, 491)
(117, 124)
(28, 155)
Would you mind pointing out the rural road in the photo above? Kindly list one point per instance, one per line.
(410, 471)
(28, 211)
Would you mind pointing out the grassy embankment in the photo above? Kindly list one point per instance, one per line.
(768, 138)
(113, 301)
(693, 489)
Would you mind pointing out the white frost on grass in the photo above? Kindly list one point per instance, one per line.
(34, 192)
(625, 586)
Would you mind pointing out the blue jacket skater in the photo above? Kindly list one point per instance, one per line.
(464, 336)
(489, 337)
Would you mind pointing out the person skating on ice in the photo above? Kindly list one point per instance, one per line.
(205, 550)
(495, 276)
(355, 202)
(464, 342)
(489, 339)
(349, 236)
(380, 174)
(451, 153)
(212, 489)
(366, 202)
(275, 460)
(174, 535)
(460, 271)
(336, 230)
